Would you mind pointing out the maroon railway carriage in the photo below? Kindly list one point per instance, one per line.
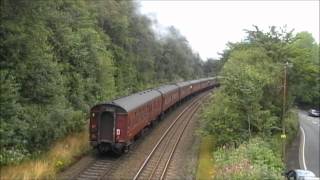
(170, 95)
(114, 125)
(196, 86)
(205, 83)
(185, 89)
(213, 82)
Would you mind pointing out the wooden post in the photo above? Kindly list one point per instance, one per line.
(283, 136)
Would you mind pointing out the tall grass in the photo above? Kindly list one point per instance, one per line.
(63, 153)
(205, 163)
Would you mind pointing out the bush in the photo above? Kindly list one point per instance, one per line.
(222, 120)
(13, 155)
(291, 124)
(41, 126)
(46, 165)
(253, 160)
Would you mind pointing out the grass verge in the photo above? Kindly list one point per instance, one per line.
(63, 153)
(205, 163)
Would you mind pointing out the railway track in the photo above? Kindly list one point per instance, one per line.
(98, 169)
(157, 162)
(102, 168)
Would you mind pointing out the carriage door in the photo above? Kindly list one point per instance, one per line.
(107, 127)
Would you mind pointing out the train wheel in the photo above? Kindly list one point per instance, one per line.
(100, 151)
(126, 149)
(161, 116)
(153, 123)
(103, 148)
(118, 151)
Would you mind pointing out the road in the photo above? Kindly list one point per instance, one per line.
(309, 148)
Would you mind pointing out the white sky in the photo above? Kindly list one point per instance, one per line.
(209, 25)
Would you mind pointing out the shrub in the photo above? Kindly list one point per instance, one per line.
(46, 164)
(253, 160)
(292, 124)
(13, 155)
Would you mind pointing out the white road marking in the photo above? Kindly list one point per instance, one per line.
(303, 144)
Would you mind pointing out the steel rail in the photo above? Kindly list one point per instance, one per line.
(164, 135)
(177, 142)
(97, 170)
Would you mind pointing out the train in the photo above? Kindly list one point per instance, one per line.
(115, 125)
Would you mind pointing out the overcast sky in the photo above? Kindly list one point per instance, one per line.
(209, 25)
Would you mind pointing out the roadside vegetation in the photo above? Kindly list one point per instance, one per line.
(246, 114)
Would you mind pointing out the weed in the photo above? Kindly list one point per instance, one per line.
(63, 153)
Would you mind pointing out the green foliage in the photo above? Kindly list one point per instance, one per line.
(8, 96)
(304, 75)
(59, 58)
(252, 160)
(13, 155)
(292, 125)
(250, 101)
(211, 67)
(221, 120)
(11, 111)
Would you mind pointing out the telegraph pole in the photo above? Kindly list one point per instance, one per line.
(283, 135)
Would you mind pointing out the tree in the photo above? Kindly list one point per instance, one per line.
(212, 67)
(304, 74)
(252, 91)
(59, 58)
